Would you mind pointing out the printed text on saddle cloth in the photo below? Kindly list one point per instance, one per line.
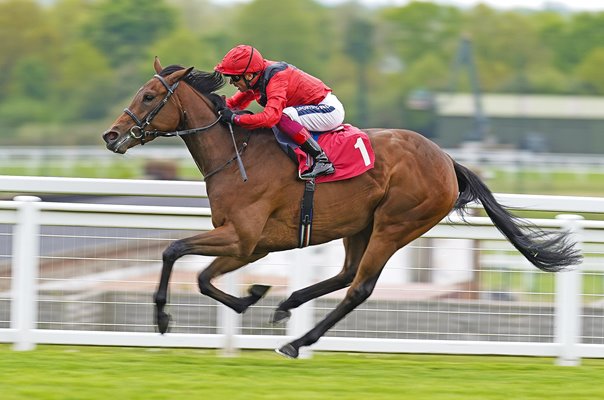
(347, 147)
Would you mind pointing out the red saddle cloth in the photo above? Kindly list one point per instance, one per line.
(347, 147)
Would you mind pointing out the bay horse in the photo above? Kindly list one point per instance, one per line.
(414, 184)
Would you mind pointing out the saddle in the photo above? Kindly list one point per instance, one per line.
(350, 151)
(347, 147)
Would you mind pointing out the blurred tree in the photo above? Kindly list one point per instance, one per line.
(340, 72)
(548, 80)
(589, 71)
(426, 72)
(68, 18)
(575, 39)
(358, 45)
(18, 111)
(124, 29)
(548, 77)
(421, 28)
(23, 32)
(185, 48)
(85, 85)
(295, 31)
(204, 17)
(551, 28)
(506, 46)
(75, 62)
(30, 78)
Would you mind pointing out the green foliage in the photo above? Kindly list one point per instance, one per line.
(358, 43)
(296, 31)
(422, 28)
(185, 48)
(84, 78)
(23, 34)
(30, 79)
(548, 80)
(123, 29)
(589, 71)
(583, 33)
(14, 112)
(73, 61)
(493, 34)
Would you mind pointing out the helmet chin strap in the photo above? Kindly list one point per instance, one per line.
(247, 83)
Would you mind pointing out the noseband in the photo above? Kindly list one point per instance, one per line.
(139, 131)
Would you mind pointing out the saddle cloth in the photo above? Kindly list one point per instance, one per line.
(347, 147)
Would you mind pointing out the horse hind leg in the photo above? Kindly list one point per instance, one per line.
(221, 266)
(381, 247)
(355, 247)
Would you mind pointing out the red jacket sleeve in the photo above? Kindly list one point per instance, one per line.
(276, 94)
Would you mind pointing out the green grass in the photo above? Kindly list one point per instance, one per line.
(117, 168)
(70, 372)
(546, 182)
(538, 286)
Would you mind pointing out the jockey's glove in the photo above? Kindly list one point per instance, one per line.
(227, 115)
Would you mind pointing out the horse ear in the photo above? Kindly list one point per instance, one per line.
(178, 75)
(157, 65)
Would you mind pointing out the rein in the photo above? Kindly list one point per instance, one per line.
(237, 157)
(143, 134)
(155, 133)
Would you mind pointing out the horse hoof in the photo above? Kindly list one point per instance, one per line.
(288, 351)
(163, 322)
(280, 316)
(258, 291)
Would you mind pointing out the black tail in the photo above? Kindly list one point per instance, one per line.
(548, 251)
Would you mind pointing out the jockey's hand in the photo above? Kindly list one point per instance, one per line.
(227, 115)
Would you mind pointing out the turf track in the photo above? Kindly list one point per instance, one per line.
(70, 372)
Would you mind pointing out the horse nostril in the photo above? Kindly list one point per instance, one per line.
(110, 136)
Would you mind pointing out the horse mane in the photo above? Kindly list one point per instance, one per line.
(204, 82)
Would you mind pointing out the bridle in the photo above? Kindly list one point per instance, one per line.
(146, 121)
(139, 131)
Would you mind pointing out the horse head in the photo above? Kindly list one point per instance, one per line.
(153, 109)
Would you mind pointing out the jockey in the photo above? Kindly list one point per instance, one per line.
(293, 100)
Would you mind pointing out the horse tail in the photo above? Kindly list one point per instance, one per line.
(548, 251)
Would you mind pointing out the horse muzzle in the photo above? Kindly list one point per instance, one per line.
(115, 142)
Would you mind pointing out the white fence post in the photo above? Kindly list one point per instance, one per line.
(228, 320)
(302, 317)
(567, 322)
(26, 250)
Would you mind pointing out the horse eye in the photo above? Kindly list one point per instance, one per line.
(148, 97)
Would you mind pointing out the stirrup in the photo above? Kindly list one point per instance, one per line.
(318, 169)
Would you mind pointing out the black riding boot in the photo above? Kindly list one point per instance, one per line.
(322, 165)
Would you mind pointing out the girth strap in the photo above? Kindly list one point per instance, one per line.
(306, 213)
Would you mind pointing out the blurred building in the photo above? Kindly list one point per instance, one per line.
(564, 124)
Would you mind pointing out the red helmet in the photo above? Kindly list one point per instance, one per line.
(240, 60)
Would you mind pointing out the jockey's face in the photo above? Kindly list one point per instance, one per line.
(243, 82)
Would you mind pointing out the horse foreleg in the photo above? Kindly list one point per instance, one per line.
(222, 265)
(222, 241)
(355, 247)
